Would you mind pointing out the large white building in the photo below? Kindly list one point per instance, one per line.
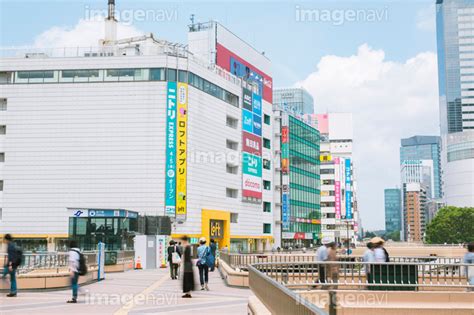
(339, 213)
(143, 125)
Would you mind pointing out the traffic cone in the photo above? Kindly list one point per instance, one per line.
(138, 263)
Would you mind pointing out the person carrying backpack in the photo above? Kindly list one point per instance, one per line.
(203, 262)
(76, 268)
(174, 259)
(14, 260)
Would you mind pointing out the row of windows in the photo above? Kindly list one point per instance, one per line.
(461, 155)
(299, 227)
(305, 197)
(303, 180)
(305, 172)
(125, 75)
(299, 211)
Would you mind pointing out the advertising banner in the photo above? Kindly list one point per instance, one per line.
(257, 104)
(337, 187)
(257, 125)
(241, 68)
(252, 186)
(170, 167)
(251, 143)
(252, 165)
(285, 168)
(285, 151)
(348, 189)
(247, 121)
(181, 151)
(247, 99)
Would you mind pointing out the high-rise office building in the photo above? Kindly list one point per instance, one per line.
(455, 29)
(415, 208)
(393, 209)
(294, 100)
(425, 148)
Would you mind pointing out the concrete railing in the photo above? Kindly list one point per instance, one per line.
(277, 298)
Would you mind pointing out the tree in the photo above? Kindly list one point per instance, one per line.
(369, 234)
(451, 225)
(394, 236)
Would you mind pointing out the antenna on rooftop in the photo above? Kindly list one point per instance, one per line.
(110, 24)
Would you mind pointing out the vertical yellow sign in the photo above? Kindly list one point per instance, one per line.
(181, 151)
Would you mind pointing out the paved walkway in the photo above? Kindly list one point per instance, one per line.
(133, 292)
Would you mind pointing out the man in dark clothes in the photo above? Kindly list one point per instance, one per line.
(173, 248)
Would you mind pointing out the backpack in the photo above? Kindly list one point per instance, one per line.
(204, 260)
(387, 257)
(175, 258)
(18, 258)
(82, 269)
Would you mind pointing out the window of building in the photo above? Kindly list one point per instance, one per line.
(171, 75)
(231, 193)
(327, 171)
(1, 185)
(232, 122)
(266, 119)
(157, 74)
(266, 143)
(233, 145)
(267, 228)
(328, 181)
(234, 217)
(3, 104)
(266, 164)
(232, 169)
(267, 206)
(267, 185)
(1, 214)
(3, 129)
(182, 76)
(2, 157)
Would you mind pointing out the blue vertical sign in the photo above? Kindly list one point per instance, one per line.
(170, 168)
(348, 189)
(285, 211)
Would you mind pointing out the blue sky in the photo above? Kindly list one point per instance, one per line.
(383, 71)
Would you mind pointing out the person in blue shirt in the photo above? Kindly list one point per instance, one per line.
(469, 259)
(203, 252)
(11, 264)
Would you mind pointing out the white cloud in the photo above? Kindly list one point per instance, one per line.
(389, 100)
(84, 34)
(426, 18)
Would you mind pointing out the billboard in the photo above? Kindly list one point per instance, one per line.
(337, 187)
(257, 124)
(285, 177)
(243, 69)
(252, 164)
(170, 163)
(181, 150)
(348, 189)
(247, 120)
(247, 99)
(251, 143)
(257, 104)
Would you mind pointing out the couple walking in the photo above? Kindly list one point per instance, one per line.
(205, 262)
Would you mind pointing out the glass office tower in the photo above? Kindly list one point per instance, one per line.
(455, 37)
(424, 148)
(393, 207)
(294, 100)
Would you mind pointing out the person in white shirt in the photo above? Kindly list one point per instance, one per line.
(322, 255)
(380, 253)
(369, 255)
(74, 269)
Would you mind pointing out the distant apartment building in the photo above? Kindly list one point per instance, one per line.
(393, 210)
(414, 212)
(339, 213)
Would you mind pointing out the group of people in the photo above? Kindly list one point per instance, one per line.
(206, 261)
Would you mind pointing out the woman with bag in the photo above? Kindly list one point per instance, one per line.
(203, 253)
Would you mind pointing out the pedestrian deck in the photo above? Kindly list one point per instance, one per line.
(133, 292)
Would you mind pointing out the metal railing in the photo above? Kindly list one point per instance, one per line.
(242, 261)
(50, 261)
(364, 275)
(277, 298)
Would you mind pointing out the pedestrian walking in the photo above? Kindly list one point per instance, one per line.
(74, 265)
(469, 259)
(203, 253)
(13, 261)
(188, 273)
(213, 248)
(174, 259)
(380, 253)
(334, 267)
(322, 256)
